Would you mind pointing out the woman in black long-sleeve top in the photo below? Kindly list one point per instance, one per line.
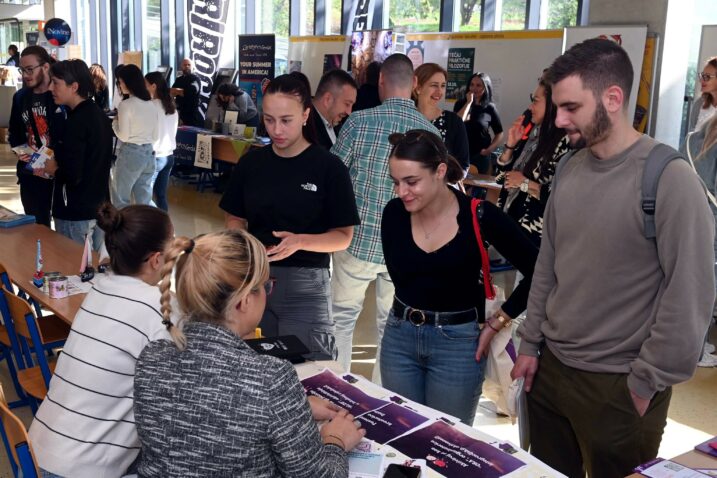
(433, 345)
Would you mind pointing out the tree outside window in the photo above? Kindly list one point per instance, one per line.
(414, 15)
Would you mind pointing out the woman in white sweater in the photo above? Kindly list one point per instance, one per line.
(85, 427)
(167, 142)
(136, 126)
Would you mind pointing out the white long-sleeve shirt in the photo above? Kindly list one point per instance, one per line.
(85, 427)
(167, 142)
(137, 121)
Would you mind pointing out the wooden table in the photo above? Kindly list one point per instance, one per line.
(59, 254)
(484, 181)
(692, 459)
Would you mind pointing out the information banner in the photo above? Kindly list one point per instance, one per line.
(460, 70)
(256, 64)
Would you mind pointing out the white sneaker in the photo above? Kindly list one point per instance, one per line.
(709, 348)
(707, 360)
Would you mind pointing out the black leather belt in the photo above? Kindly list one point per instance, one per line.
(420, 317)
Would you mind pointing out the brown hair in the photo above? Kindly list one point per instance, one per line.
(99, 77)
(707, 99)
(426, 148)
(214, 272)
(132, 234)
(424, 73)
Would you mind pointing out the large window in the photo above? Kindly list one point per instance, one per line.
(562, 13)
(333, 17)
(272, 16)
(414, 15)
(467, 17)
(152, 32)
(514, 13)
(306, 21)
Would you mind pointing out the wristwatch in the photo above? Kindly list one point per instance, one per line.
(524, 185)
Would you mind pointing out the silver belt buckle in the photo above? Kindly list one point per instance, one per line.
(416, 316)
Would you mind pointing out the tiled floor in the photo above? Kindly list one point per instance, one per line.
(693, 411)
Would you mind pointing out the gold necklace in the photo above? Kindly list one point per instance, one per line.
(427, 234)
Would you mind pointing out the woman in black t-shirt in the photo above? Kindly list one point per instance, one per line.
(429, 91)
(433, 346)
(480, 115)
(297, 199)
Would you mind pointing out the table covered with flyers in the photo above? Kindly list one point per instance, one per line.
(404, 432)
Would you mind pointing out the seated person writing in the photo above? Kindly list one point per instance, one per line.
(231, 98)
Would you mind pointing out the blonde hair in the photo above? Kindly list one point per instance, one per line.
(707, 99)
(213, 272)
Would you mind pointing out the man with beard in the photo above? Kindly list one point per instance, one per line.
(35, 120)
(614, 318)
(230, 97)
(186, 91)
(335, 96)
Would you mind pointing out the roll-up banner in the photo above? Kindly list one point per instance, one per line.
(207, 20)
(367, 47)
(631, 37)
(256, 64)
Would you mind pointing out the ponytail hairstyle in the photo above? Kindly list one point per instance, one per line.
(213, 273)
(157, 79)
(426, 148)
(294, 85)
(132, 234)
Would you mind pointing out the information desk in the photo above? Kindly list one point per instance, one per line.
(224, 148)
(344, 392)
(59, 254)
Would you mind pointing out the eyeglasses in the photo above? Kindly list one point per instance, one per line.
(28, 70)
(706, 76)
(269, 285)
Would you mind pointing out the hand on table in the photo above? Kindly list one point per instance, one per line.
(525, 366)
(322, 409)
(513, 179)
(343, 430)
(290, 243)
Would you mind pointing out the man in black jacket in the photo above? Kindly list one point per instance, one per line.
(186, 90)
(81, 165)
(35, 120)
(335, 96)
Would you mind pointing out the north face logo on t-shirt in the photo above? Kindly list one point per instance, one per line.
(309, 187)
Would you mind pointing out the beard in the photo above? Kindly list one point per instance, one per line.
(598, 129)
(37, 80)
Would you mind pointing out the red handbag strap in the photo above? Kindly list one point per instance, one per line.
(485, 261)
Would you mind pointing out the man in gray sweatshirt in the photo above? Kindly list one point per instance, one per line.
(614, 319)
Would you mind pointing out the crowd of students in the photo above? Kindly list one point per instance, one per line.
(163, 385)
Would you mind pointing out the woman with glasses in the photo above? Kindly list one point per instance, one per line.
(434, 342)
(705, 106)
(137, 127)
(206, 404)
(481, 117)
(527, 176)
(86, 426)
(429, 92)
(297, 199)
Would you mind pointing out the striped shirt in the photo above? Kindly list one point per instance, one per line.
(219, 409)
(85, 427)
(363, 146)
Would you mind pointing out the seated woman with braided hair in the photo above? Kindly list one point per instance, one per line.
(206, 404)
(85, 427)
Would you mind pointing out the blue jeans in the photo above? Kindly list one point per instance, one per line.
(435, 366)
(76, 230)
(160, 180)
(351, 277)
(132, 175)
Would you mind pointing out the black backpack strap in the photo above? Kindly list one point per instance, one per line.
(659, 157)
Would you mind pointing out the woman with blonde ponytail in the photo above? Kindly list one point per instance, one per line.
(85, 427)
(206, 404)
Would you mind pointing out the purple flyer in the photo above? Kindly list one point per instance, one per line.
(389, 422)
(331, 387)
(454, 454)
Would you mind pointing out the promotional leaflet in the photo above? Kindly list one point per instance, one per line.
(333, 388)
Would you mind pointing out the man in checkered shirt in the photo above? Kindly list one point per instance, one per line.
(363, 146)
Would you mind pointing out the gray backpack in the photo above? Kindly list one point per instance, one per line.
(658, 158)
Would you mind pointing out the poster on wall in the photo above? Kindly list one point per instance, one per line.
(514, 60)
(256, 64)
(415, 52)
(460, 70)
(207, 23)
(314, 55)
(367, 47)
(631, 37)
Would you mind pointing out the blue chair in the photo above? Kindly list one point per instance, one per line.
(17, 443)
(9, 344)
(39, 339)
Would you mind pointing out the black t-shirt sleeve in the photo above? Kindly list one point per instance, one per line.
(495, 123)
(457, 139)
(232, 201)
(508, 238)
(341, 208)
(459, 104)
(390, 232)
